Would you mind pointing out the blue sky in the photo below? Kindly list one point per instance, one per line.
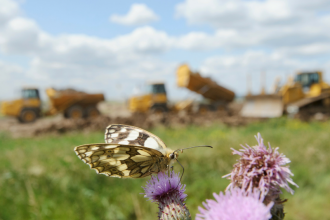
(115, 46)
(92, 17)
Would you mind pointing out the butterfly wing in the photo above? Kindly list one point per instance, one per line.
(134, 136)
(123, 161)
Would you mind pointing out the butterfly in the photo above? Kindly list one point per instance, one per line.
(128, 152)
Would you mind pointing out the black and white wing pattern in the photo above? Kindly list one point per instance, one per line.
(134, 136)
(123, 161)
(129, 152)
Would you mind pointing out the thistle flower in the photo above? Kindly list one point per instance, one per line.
(235, 204)
(168, 192)
(261, 167)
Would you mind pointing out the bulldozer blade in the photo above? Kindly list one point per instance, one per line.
(262, 106)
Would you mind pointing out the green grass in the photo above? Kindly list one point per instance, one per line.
(41, 178)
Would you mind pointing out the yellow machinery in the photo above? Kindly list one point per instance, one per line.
(26, 109)
(154, 101)
(308, 92)
(73, 104)
(217, 97)
(70, 103)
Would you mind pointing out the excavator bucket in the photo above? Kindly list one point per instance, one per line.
(263, 106)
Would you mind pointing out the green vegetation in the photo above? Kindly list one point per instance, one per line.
(41, 178)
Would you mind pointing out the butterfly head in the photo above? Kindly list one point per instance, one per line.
(174, 155)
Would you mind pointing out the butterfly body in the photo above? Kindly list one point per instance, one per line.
(129, 152)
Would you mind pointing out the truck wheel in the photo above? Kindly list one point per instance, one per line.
(75, 112)
(28, 116)
(92, 112)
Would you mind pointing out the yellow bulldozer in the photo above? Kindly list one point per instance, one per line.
(71, 103)
(155, 99)
(307, 94)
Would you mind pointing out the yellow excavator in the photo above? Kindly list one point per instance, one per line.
(307, 94)
(71, 103)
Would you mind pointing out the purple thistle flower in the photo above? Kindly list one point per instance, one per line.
(168, 192)
(235, 204)
(261, 167)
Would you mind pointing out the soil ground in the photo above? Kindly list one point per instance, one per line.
(117, 113)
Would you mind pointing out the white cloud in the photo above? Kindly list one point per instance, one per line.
(7, 69)
(315, 49)
(8, 10)
(139, 14)
(249, 14)
(20, 35)
(197, 41)
(285, 41)
(243, 24)
(81, 61)
(83, 55)
(144, 40)
(233, 71)
(212, 12)
(12, 78)
(305, 36)
(95, 64)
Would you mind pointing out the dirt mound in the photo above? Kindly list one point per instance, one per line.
(59, 125)
(69, 91)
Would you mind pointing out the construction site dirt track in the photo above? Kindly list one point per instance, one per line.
(58, 125)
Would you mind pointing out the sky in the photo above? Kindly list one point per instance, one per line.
(116, 47)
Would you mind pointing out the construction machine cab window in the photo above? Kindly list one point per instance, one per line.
(307, 79)
(157, 89)
(30, 94)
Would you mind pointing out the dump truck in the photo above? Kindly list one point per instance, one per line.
(70, 103)
(307, 94)
(216, 97)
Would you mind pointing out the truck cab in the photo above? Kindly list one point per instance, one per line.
(311, 82)
(26, 109)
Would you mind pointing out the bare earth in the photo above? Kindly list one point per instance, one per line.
(114, 113)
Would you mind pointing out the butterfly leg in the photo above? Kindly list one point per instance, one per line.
(182, 169)
(168, 174)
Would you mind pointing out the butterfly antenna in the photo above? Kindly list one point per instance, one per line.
(192, 147)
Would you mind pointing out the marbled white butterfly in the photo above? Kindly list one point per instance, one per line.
(129, 152)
